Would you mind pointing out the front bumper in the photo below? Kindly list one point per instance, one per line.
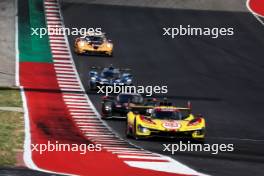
(147, 133)
(92, 51)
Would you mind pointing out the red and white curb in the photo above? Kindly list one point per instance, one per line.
(259, 17)
(84, 114)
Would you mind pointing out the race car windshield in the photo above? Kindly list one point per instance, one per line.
(130, 98)
(94, 38)
(110, 74)
(170, 115)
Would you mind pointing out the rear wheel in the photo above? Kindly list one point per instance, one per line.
(106, 116)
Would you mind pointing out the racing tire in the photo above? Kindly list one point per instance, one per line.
(135, 136)
(92, 87)
(110, 55)
(128, 132)
(106, 116)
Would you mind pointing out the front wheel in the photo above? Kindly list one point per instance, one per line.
(128, 132)
(92, 87)
(106, 116)
(135, 136)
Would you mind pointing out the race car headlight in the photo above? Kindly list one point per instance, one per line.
(195, 122)
(109, 45)
(81, 43)
(142, 129)
(129, 81)
(108, 108)
(93, 78)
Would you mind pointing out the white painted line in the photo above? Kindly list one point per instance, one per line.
(62, 61)
(65, 89)
(74, 96)
(73, 103)
(91, 121)
(123, 148)
(81, 107)
(56, 37)
(135, 153)
(127, 150)
(50, 3)
(52, 10)
(52, 14)
(97, 135)
(63, 68)
(109, 140)
(81, 110)
(87, 125)
(103, 137)
(63, 65)
(56, 56)
(57, 41)
(53, 18)
(65, 79)
(139, 157)
(68, 83)
(59, 48)
(56, 44)
(69, 86)
(51, 26)
(131, 152)
(75, 100)
(120, 149)
(65, 76)
(98, 132)
(51, 6)
(87, 120)
(91, 127)
(81, 113)
(60, 52)
(54, 22)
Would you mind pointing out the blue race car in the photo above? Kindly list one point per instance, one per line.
(109, 76)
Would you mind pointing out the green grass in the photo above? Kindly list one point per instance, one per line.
(10, 97)
(11, 128)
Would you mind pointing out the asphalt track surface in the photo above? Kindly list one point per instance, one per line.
(222, 77)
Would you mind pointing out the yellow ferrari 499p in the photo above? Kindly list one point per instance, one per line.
(166, 121)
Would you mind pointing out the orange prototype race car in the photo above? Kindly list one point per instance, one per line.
(93, 43)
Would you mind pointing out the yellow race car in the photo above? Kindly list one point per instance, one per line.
(93, 44)
(165, 121)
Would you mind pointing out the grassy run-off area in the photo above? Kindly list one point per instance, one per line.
(11, 127)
